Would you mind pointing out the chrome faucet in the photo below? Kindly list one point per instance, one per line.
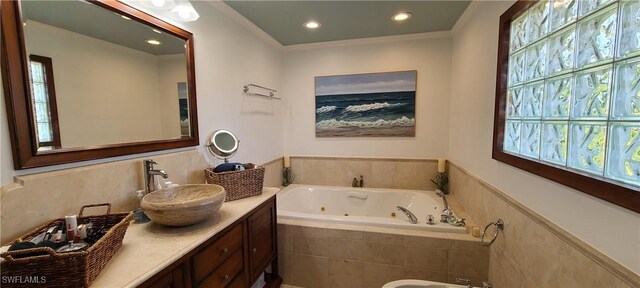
(149, 175)
(465, 281)
(446, 212)
(412, 218)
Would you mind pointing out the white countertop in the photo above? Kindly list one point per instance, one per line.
(148, 248)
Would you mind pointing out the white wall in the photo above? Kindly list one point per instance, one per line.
(430, 56)
(227, 57)
(613, 230)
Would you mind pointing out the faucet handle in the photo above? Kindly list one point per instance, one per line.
(486, 285)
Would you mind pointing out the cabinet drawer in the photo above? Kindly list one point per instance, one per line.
(238, 282)
(213, 255)
(226, 273)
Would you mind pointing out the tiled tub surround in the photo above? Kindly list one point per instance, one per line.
(377, 172)
(37, 198)
(315, 254)
(532, 251)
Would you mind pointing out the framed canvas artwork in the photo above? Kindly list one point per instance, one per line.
(366, 105)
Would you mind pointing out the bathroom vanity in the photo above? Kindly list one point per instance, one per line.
(231, 249)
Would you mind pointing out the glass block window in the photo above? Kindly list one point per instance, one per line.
(569, 97)
(43, 101)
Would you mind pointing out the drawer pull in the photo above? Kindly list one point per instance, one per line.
(225, 250)
(254, 250)
(226, 276)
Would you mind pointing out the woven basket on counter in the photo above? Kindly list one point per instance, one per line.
(238, 184)
(70, 269)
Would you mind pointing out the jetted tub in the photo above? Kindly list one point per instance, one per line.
(362, 206)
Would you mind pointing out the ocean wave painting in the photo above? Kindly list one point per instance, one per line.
(376, 104)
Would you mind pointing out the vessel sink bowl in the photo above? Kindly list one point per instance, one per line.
(183, 205)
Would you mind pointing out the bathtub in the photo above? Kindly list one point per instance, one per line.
(362, 206)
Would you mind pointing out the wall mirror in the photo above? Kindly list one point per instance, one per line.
(89, 80)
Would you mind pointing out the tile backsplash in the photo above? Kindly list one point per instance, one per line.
(376, 172)
(531, 251)
(37, 198)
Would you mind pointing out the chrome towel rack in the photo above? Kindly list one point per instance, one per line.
(271, 92)
(499, 225)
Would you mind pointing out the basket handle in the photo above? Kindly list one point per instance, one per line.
(9, 254)
(96, 205)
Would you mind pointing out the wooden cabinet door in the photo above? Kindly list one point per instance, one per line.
(171, 279)
(262, 239)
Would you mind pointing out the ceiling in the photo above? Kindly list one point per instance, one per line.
(342, 20)
(96, 22)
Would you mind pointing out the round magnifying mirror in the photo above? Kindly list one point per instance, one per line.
(223, 144)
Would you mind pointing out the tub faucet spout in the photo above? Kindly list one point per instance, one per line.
(412, 218)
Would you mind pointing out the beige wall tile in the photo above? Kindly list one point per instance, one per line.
(414, 175)
(475, 246)
(475, 280)
(429, 242)
(345, 273)
(310, 271)
(579, 271)
(355, 168)
(309, 231)
(346, 249)
(426, 258)
(377, 173)
(285, 242)
(297, 166)
(345, 234)
(525, 281)
(384, 253)
(311, 245)
(273, 173)
(468, 263)
(504, 272)
(285, 261)
(384, 238)
(383, 173)
(376, 275)
(413, 273)
(284, 228)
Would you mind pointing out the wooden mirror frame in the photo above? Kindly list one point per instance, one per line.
(15, 79)
(612, 191)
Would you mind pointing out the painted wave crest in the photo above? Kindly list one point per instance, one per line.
(368, 107)
(380, 123)
(324, 109)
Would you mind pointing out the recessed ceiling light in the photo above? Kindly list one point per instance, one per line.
(157, 31)
(153, 42)
(401, 16)
(312, 24)
(125, 17)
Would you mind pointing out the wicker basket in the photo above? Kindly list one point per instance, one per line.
(71, 269)
(238, 184)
